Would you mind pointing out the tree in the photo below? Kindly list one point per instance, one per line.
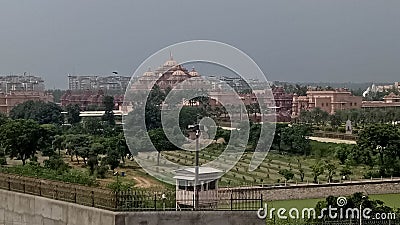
(319, 116)
(342, 153)
(160, 140)
(48, 132)
(112, 159)
(3, 119)
(278, 135)
(93, 126)
(287, 174)
(93, 163)
(78, 145)
(331, 170)
(301, 170)
(296, 138)
(346, 171)
(382, 140)
(20, 138)
(73, 112)
(58, 143)
(39, 111)
(108, 102)
(55, 162)
(335, 119)
(153, 108)
(354, 201)
(317, 169)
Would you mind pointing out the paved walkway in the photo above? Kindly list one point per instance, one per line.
(331, 140)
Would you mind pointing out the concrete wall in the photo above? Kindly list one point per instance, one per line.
(322, 190)
(21, 209)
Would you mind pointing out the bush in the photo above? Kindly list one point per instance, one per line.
(101, 171)
(56, 163)
(118, 186)
(32, 169)
(287, 174)
(342, 129)
(3, 161)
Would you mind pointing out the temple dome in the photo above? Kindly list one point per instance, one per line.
(178, 73)
(148, 73)
(171, 62)
(193, 73)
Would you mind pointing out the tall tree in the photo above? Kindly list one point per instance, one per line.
(317, 169)
(20, 138)
(41, 112)
(108, 102)
(73, 112)
(382, 140)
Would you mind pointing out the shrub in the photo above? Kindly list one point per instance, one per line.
(3, 161)
(33, 169)
(118, 186)
(56, 163)
(101, 171)
(287, 174)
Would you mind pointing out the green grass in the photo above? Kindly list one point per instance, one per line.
(391, 200)
(299, 204)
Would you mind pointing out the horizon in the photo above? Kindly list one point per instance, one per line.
(302, 41)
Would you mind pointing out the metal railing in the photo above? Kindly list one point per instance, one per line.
(131, 200)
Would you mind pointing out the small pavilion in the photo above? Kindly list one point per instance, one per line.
(207, 187)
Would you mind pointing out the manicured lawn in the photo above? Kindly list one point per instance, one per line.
(298, 204)
(391, 200)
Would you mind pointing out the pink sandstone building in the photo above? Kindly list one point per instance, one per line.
(389, 101)
(329, 101)
(13, 98)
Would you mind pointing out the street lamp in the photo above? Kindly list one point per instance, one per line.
(196, 128)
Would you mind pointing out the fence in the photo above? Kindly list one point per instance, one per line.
(83, 195)
(131, 200)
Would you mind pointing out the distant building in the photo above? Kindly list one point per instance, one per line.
(382, 88)
(329, 101)
(94, 82)
(88, 99)
(390, 100)
(13, 98)
(21, 83)
(280, 102)
(171, 75)
(168, 75)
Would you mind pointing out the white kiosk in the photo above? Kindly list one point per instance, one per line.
(207, 190)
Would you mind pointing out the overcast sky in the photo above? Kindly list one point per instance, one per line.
(299, 40)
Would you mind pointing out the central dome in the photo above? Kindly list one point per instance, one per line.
(171, 62)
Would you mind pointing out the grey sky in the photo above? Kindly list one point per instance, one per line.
(299, 40)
